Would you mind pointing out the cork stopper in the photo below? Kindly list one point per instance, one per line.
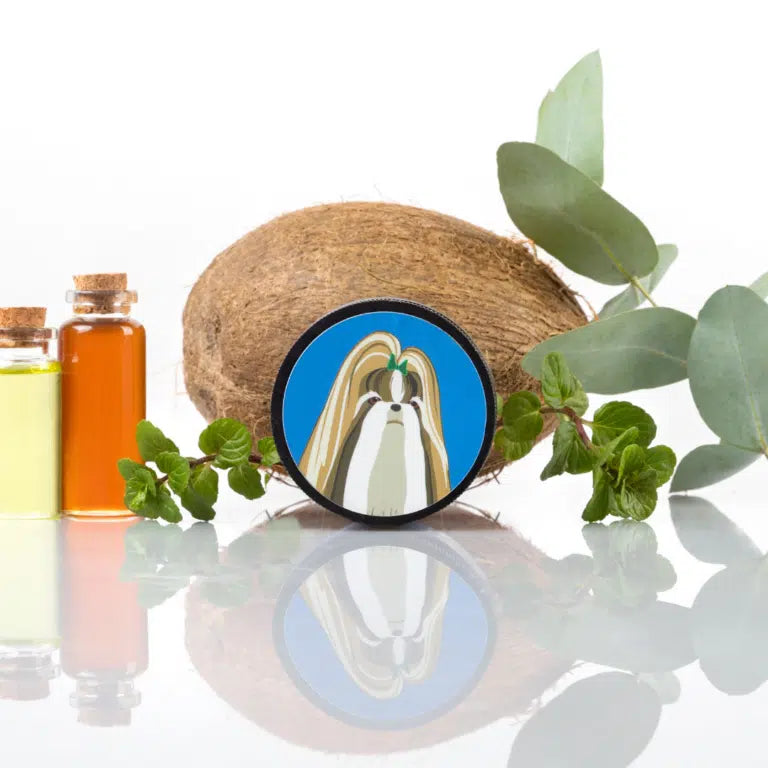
(24, 327)
(22, 317)
(102, 293)
(102, 281)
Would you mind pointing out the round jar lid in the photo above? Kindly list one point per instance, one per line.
(383, 411)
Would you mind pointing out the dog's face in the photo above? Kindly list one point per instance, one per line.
(384, 466)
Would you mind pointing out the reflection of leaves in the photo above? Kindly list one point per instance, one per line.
(604, 720)
(729, 617)
(628, 569)
(708, 534)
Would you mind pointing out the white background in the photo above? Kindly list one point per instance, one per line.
(147, 136)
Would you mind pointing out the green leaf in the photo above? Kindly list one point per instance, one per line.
(177, 469)
(571, 217)
(569, 454)
(635, 350)
(728, 367)
(245, 479)
(162, 505)
(760, 286)
(499, 404)
(614, 418)
(661, 459)
(631, 298)
(559, 387)
(268, 451)
(152, 441)
(637, 495)
(599, 506)
(201, 493)
(709, 464)
(523, 423)
(637, 498)
(139, 487)
(617, 445)
(128, 468)
(632, 462)
(229, 440)
(571, 118)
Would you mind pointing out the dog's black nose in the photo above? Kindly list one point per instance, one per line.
(395, 406)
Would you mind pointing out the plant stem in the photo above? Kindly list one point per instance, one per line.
(639, 286)
(254, 458)
(577, 421)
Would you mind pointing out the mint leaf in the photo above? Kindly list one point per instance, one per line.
(162, 505)
(606, 452)
(128, 468)
(227, 439)
(662, 460)
(637, 497)
(569, 454)
(559, 387)
(177, 469)
(599, 506)
(268, 450)
(152, 441)
(245, 479)
(632, 461)
(523, 423)
(499, 403)
(614, 418)
(205, 482)
(136, 492)
(201, 493)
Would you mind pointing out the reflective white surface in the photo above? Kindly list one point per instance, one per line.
(297, 639)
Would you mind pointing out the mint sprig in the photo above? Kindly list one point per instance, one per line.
(226, 443)
(626, 471)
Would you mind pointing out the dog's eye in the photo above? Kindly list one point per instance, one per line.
(374, 399)
(415, 404)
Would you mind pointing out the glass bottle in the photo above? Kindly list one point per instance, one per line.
(104, 643)
(102, 353)
(30, 411)
(29, 627)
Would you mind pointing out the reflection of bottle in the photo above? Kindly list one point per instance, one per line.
(29, 633)
(104, 629)
(102, 352)
(29, 416)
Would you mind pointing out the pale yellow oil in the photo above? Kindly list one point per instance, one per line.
(30, 426)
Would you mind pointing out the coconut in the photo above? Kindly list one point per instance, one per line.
(259, 295)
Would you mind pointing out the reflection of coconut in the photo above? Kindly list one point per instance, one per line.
(233, 650)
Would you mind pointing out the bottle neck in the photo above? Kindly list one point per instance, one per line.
(102, 304)
(25, 346)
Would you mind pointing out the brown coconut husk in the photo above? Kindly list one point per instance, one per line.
(259, 295)
(232, 648)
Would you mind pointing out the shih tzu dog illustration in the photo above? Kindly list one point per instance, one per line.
(382, 609)
(377, 447)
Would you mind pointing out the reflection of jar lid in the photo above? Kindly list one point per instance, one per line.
(27, 676)
(105, 703)
(388, 630)
(383, 411)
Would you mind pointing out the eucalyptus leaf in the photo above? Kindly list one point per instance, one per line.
(635, 350)
(571, 118)
(631, 297)
(571, 217)
(728, 367)
(709, 464)
(760, 286)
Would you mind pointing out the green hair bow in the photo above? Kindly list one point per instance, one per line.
(393, 366)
